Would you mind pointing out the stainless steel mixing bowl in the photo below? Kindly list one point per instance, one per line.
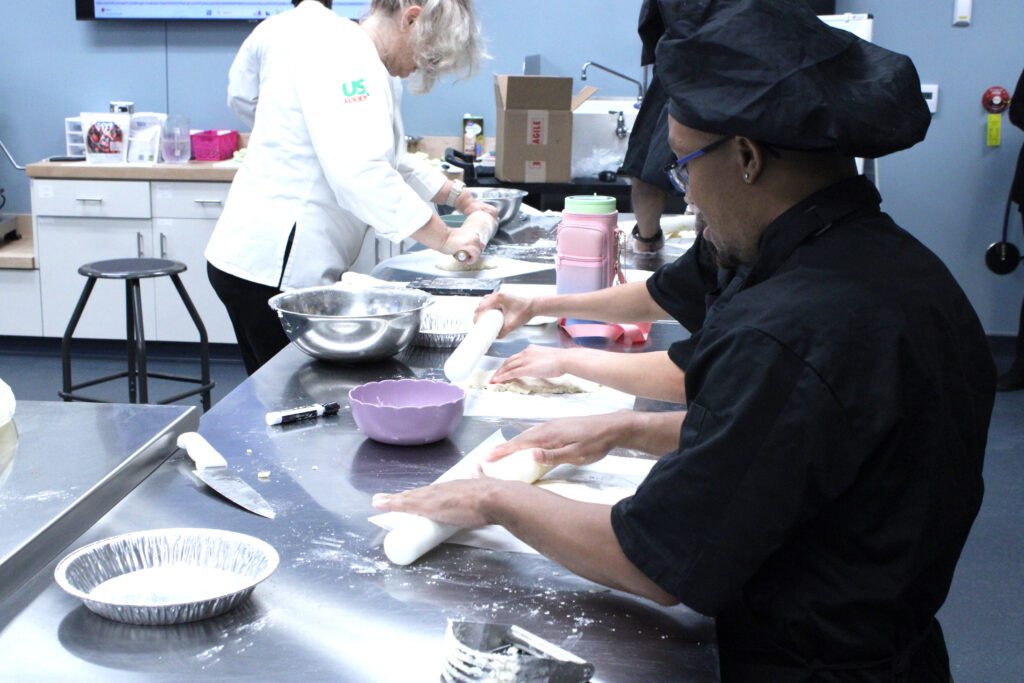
(347, 325)
(507, 201)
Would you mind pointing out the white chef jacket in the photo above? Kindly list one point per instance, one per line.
(326, 154)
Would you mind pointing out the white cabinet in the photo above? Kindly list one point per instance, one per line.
(188, 200)
(20, 311)
(80, 221)
(91, 198)
(184, 215)
(67, 243)
(184, 240)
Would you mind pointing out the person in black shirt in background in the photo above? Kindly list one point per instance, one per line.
(1013, 379)
(818, 492)
(648, 152)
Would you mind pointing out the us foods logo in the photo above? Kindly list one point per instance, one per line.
(354, 91)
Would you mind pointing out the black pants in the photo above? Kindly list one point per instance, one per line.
(257, 328)
(648, 152)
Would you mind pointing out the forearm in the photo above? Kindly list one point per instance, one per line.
(582, 540)
(647, 432)
(433, 234)
(651, 375)
(628, 303)
(654, 433)
(442, 195)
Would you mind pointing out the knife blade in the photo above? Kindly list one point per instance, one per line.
(212, 469)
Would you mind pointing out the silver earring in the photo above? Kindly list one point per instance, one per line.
(746, 177)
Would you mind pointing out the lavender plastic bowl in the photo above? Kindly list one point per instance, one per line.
(407, 412)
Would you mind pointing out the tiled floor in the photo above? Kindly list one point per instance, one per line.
(983, 618)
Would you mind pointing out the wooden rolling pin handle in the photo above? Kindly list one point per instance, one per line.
(483, 224)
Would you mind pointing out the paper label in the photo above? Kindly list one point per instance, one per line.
(994, 131)
(44, 190)
(537, 127)
(536, 172)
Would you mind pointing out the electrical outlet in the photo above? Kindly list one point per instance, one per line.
(930, 92)
(962, 12)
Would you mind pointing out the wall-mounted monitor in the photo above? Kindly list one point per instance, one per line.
(199, 10)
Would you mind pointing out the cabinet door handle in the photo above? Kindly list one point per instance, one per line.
(163, 245)
(139, 243)
(204, 202)
(84, 200)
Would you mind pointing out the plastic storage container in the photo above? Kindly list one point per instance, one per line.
(214, 145)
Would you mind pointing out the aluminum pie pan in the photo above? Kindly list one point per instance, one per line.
(438, 340)
(166, 576)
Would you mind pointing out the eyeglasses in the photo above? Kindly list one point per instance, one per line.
(677, 172)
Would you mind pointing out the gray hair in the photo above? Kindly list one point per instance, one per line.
(447, 37)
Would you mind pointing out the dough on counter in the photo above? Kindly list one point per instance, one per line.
(518, 466)
(452, 264)
(566, 384)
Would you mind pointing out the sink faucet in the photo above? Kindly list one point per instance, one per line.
(620, 125)
(639, 86)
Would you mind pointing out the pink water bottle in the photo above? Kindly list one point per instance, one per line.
(586, 247)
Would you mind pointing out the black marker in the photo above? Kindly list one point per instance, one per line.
(283, 417)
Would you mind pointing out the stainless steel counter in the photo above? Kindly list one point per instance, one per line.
(518, 240)
(64, 465)
(336, 609)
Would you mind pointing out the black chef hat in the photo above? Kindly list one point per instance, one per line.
(772, 71)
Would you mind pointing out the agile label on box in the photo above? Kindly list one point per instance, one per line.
(535, 172)
(536, 127)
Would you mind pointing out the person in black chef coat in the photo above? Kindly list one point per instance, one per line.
(822, 484)
(648, 152)
(1013, 379)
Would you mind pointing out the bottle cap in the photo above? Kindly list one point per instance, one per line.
(590, 204)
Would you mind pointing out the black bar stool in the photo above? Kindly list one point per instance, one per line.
(131, 270)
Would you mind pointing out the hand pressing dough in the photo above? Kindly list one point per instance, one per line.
(452, 264)
(416, 536)
(531, 385)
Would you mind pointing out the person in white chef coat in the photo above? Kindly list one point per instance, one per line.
(326, 159)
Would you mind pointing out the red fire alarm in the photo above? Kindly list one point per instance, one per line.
(995, 100)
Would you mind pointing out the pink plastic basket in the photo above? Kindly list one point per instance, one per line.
(214, 145)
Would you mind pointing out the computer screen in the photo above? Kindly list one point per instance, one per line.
(199, 10)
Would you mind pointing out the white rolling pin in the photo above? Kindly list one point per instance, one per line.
(484, 225)
(468, 353)
(416, 536)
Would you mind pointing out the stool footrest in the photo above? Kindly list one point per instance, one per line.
(77, 397)
(186, 394)
(175, 378)
(98, 380)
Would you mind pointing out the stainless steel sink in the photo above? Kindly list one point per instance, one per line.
(600, 134)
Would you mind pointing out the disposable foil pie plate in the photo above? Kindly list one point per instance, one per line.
(166, 576)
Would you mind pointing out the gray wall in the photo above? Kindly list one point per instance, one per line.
(949, 191)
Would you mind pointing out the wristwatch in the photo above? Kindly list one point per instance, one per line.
(453, 194)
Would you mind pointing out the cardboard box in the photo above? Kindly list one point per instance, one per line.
(534, 136)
